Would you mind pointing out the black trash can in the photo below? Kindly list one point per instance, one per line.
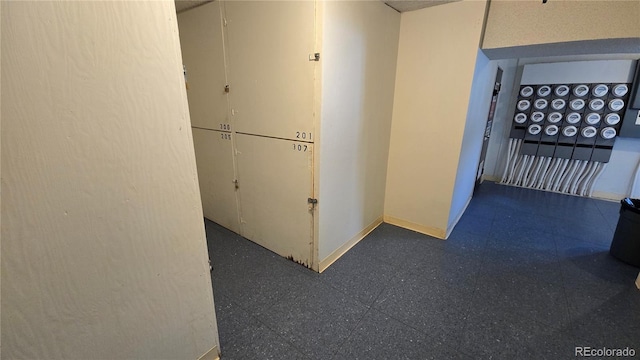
(626, 240)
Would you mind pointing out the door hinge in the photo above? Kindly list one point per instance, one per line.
(235, 183)
(227, 88)
(224, 22)
(312, 201)
(314, 57)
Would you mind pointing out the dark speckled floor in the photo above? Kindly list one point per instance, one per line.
(525, 275)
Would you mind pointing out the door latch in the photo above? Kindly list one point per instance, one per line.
(235, 183)
(226, 89)
(312, 204)
(314, 57)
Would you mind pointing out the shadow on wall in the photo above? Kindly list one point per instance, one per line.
(477, 113)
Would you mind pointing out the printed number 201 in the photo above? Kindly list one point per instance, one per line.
(300, 147)
(303, 135)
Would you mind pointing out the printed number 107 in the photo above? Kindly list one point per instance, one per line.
(300, 147)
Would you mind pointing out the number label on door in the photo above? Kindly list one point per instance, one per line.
(300, 147)
(225, 136)
(226, 127)
(303, 135)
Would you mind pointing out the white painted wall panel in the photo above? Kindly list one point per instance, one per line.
(103, 245)
(0, 181)
(214, 157)
(616, 181)
(203, 55)
(271, 77)
(436, 60)
(479, 103)
(359, 54)
(275, 179)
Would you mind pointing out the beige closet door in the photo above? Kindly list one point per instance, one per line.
(214, 159)
(201, 40)
(203, 57)
(271, 77)
(275, 179)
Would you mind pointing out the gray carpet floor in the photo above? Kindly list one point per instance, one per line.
(524, 275)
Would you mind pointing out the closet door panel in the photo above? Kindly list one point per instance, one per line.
(275, 179)
(271, 77)
(214, 159)
(203, 58)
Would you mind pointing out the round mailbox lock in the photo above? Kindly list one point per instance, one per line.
(616, 105)
(523, 105)
(569, 131)
(592, 119)
(589, 132)
(558, 104)
(577, 104)
(620, 90)
(562, 90)
(574, 118)
(596, 104)
(544, 90)
(540, 104)
(608, 133)
(554, 117)
(537, 116)
(534, 129)
(600, 90)
(526, 91)
(581, 90)
(612, 119)
(520, 118)
(551, 130)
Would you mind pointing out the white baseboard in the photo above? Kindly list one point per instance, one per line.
(607, 196)
(212, 354)
(491, 178)
(427, 230)
(326, 262)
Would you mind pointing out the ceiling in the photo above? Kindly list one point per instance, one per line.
(399, 5)
(182, 5)
(410, 5)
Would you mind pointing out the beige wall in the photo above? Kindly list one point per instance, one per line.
(359, 53)
(103, 252)
(527, 22)
(436, 60)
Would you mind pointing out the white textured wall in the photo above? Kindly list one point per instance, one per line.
(0, 181)
(617, 179)
(484, 77)
(436, 60)
(103, 246)
(528, 22)
(359, 52)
